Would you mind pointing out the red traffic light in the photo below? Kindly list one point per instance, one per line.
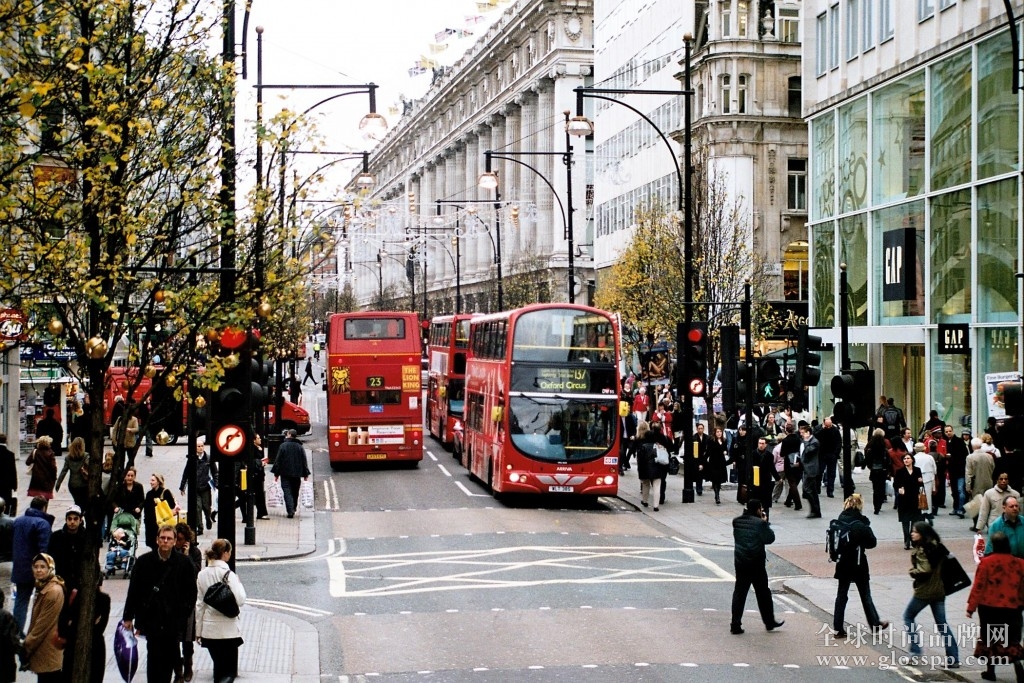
(695, 335)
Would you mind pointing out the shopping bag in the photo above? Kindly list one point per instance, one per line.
(275, 496)
(978, 550)
(164, 513)
(954, 578)
(126, 652)
(306, 494)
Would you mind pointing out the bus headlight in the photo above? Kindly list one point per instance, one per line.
(607, 480)
(515, 477)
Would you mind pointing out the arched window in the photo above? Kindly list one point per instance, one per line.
(741, 93)
(794, 272)
(725, 93)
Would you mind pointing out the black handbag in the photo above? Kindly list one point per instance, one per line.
(219, 597)
(954, 578)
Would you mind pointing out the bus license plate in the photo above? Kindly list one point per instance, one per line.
(560, 489)
(376, 456)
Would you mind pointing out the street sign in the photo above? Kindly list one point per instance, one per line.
(231, 440)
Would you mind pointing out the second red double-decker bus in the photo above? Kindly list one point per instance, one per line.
(447, 350)
(542, 401)
(374, 388)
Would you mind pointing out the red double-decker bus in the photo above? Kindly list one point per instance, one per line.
(447, 351)
(374, 388)
(542, 401)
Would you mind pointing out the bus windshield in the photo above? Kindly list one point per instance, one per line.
(561, 335)
(562, 429)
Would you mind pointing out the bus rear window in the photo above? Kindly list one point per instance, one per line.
(374, 328)
(377, 397)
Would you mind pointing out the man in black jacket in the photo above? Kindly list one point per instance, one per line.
(830, 440)
(852, 565)
(289, 467)
(790, 451)
(161, 595)
(751, 533)
(8, 476)
(956, 465)
(67, 547)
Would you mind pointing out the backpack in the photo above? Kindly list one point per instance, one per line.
(891, 417)
(837, 539)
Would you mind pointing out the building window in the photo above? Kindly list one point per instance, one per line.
(795, 272)
(726, 15)
(885, 20)
(821, 45)
(797, 184)
(789, 25)
(741, 93)
(741, 19)
(795, 97)
(867, 30)
(925, 9)
(725, 93)
(833, 36)
(852, 22)
(946, 4)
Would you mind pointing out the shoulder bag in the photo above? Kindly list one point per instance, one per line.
(660, 454)
(954, 578)
(219, 597)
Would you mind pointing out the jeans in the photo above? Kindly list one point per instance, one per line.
(959, 493)
(863, 584)
(21, 601)
(914, 607)
(290, 489)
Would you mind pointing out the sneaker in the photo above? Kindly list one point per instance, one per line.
(263, 517)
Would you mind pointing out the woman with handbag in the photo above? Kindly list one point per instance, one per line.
(929, 591)
(157, 492)
(718, 458)
(908, 482)
(997, 597)
(647, 469)
(42, 470)
(43, 654)
(216, 630)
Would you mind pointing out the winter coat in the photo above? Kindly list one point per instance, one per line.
(31, 537)
(78, 471)
(998, 582)
(205, 470)
(163, 613)
(646, 467)
(43, 655)
(8, 473)
(67, 549)
(211, 624)
(751, 534)
(992, 505)
(131, 499)
(291, 460)
(809, 457)
(44, 472)
(149, 512)
(910, 482)
(853, 562)
(1014, 531)
(715, 471)
(927, 572)
(979, 469)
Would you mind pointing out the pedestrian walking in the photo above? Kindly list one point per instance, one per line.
(831, 444)
(701, 444)
(205, 473)
(75, 466)
(926, 571)
(764, 460)
(1008, 523)
(997, 595)
(185, 544)
(67, 548)
(8, 476)
(751, 533)
(852, 565)
(42, 469)
(956, 468)
(780, 470)
(10, 644)
(908, 482)
(978, 470)
(992, 502)
(157, 491)
(160, 597)
(716, 472)
(809, 455)
(926, 463)
(41, 653)
(219, 633)
(31, 537)
(309, 372)
(646, 467)
(125, 435)
(790, 451)
(290, 467)
(660, 438)
(50, 426)
(879, 464)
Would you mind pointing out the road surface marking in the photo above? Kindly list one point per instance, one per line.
(445, 470)
(470, 493)
(288, 607)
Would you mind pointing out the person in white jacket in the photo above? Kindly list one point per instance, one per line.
(218, 633)
(926, 463)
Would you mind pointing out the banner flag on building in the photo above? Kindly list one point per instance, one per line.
(472, 19)
(416, 71)
(486, 5)
(441, 35)
(436, 48)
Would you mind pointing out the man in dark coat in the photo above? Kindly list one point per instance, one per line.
(852, 565)
(790, 451)
(698, 466)
(31, 537)
(161, 596)
(751, 533)
(764, 459)
(831, 441)
(956, 466)
(67, 545)
(289, 467)
(50, 426)
(810, 451)
(8, 476)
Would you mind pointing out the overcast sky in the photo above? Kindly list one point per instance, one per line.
(349, 42)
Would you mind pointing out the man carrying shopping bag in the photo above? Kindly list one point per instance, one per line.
(290, 468)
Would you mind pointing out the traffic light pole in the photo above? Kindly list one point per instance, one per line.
(748, 399)
(844, 350)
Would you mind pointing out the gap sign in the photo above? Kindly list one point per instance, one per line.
(954, 338)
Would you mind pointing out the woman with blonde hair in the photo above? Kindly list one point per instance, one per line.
(855, 536)
(157, 491)
(42, 469)
(219, 633)
(75, 465)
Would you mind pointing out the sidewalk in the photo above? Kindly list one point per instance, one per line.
(798, 560)
(278, 648)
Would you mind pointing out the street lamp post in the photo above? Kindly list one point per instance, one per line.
(495, 240)
(456, 242)
(580, 125)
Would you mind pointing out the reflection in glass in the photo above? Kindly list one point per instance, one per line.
(563, 429)
(903, 217)
(823, 130)
(853, 240)
(853, 152)
(560, 335)
(951, 257)
(997, 110)
(898, 140)
(950, 98)
(997, 251)
(824, 277)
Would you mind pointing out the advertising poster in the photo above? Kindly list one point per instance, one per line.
(994, 392)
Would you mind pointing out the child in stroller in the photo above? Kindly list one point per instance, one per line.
(123, 544)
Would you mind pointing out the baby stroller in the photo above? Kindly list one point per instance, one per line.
(124, 542)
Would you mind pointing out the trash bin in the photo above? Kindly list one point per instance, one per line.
(273, 443)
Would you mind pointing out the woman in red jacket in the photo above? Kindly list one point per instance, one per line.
(998, 595)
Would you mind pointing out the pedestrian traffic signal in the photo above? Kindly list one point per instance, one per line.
(1013, 398)
(729, 351)
(808, 360)
(692, 341)
(854, 392)
(744, 370)
(769, 382)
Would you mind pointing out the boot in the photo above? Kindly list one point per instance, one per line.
(188, 670)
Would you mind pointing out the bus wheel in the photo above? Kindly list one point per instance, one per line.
(336, 466)
(174, 439)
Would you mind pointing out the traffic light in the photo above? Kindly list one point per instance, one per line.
(692, 343)
(769, 381)
(808, 360)
(232, 399)
(1013, 398)
(729, 346)
(854, 392)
